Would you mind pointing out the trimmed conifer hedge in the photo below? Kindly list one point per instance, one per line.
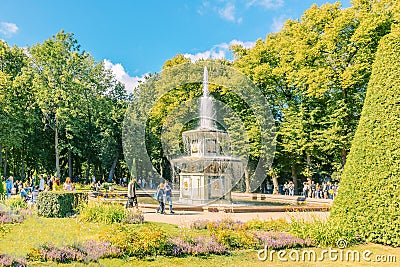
(368, 202)
(59, 204)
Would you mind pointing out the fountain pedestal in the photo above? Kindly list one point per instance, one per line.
(206, 174)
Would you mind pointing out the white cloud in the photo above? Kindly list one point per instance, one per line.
(8, 29)
(268, 4)
(210, 54)
(277, 23)
(226, 9)
(120, 74)
(219, 51)
(228, 12)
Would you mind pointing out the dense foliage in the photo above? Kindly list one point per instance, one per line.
(109, 213)
(58, 105)
(61, 112)
(60, 204)
(369, 201)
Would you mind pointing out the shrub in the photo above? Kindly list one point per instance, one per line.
(323, 233)
(280, 225)
(104, 213)
(198, 246)
(235, 239)
(148, 240)
(368, 201)
(87, 251)
(2, 190)
(133, 217)
(9, 216)
(278, 240)
(199, 224)
(6, 260)
(59, 204)
(226, 223)
(109, 213)
(16, 203)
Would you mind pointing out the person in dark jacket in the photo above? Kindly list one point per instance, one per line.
(160, 198)
(132, 198)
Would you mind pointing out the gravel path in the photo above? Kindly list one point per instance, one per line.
(184, 218)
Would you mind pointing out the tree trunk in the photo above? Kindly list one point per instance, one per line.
(161, 169)
(69, 163)
(344, 156)
(294, 178)
(87, 171)
(58, 175)
(309, 166)
(247, 179)
(22, 165)
(112, 170)
(1, 158)
(276, 184)
(5, 163)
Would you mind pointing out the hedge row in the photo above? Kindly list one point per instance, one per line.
(60, 204)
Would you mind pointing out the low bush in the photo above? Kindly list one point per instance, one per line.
(323, 233)
(60, 204)
(147, 240)
(16, 203)
(234, 239)
(280, 225)
(87, 251)
(226, 223)
(6, 260)
(109, 213)
(197, 246)
(279, 240)
(102, 213)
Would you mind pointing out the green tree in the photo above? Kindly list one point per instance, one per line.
(53, 65)
(368, 200)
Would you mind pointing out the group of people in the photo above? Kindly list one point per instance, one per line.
(164, 189)
(31, 187)
(288, 188)
(327, 190)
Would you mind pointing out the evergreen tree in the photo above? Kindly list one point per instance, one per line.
(368, 204)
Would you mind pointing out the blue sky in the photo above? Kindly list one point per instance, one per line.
(137, 37)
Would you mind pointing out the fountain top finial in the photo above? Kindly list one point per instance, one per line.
(205, 82)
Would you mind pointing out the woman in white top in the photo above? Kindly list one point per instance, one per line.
(68, 185)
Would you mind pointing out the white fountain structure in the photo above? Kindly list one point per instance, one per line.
(206, 172)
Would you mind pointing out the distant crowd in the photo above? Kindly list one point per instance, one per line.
(311, 189)
(30, 188)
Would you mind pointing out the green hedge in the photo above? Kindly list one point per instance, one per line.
(59, 204)
(368, 203)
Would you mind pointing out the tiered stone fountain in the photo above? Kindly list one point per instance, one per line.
(207, 171)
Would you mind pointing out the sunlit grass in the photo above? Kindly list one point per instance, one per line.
(38, 230)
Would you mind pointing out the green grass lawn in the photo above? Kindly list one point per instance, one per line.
(37, 230)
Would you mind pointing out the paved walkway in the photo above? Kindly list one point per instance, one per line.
(185, 218)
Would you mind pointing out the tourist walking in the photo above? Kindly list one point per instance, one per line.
(132, 198)
(9, 186)
(160, 198)
(168, 196)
